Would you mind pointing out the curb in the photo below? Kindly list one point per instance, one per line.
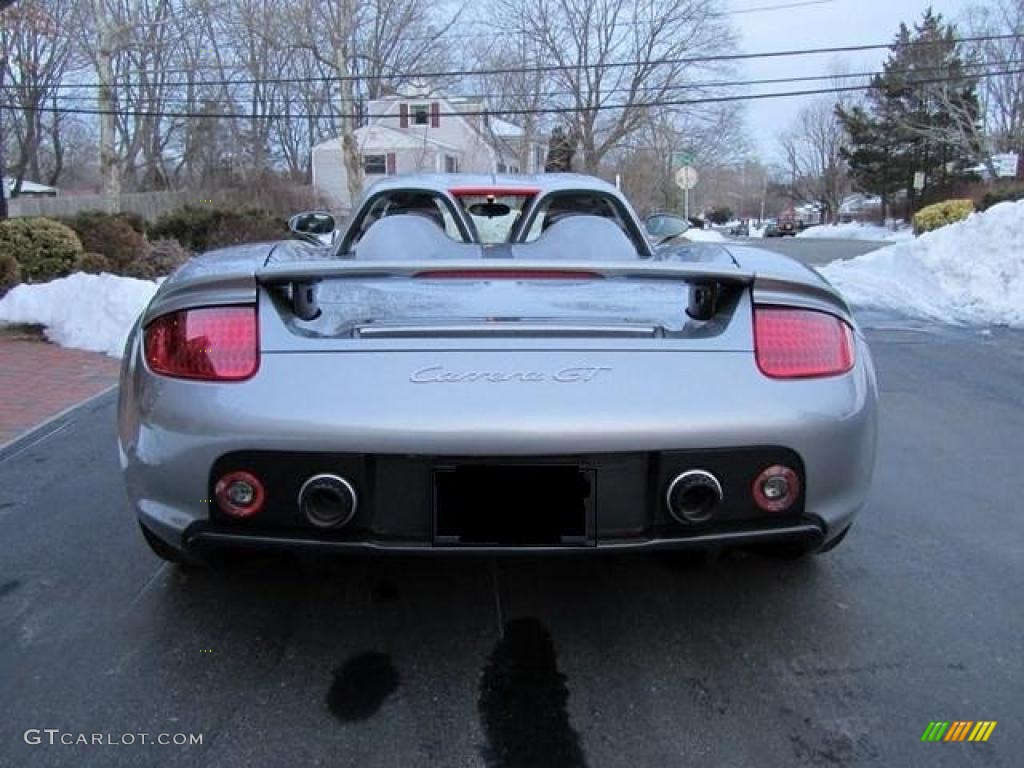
(52, 425)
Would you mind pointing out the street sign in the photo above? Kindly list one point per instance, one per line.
(919, 180)
(687, 177)
(684, 158)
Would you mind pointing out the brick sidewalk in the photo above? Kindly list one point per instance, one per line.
(38, 380)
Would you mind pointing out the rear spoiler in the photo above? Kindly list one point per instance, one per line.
(705, 281)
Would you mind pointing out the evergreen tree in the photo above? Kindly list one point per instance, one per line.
(921, 115)
(561, 149)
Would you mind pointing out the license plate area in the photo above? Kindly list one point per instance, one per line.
(513, 505)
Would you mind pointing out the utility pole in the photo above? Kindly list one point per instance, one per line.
(3, 162)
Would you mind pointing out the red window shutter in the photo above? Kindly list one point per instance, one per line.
(391, 164)
(403, 115)
(435, 115)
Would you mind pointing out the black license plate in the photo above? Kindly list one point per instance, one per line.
(513, 505)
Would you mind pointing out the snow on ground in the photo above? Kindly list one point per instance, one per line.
(704, 236)
(971, 272)
(855, 231)
(93, 312)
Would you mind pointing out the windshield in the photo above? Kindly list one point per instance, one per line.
(494, 213)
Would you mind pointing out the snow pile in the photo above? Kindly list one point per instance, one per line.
(971, 272)
(855, 231)
(93, 312)
(704, 236)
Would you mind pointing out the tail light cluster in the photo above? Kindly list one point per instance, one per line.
(801, 343)
(206, 343)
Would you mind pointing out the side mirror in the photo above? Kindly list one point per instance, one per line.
(663, 227)
(317, 227)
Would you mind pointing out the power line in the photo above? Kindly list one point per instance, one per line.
(532, 111)
(625, 89)
(723, 57)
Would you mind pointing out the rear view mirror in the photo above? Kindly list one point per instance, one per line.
(490, 210)
(314, 226)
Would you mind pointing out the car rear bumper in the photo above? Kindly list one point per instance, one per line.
(808, 533)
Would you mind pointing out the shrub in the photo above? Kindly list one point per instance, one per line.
(164, 257)
(1007, 195)
(10, 272)
(113, 235)
(88, 219)
(44, 248)
(92, 263)
(202, 229)
(940, 214)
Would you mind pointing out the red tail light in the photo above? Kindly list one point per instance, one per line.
(801, 343)
(210, 344)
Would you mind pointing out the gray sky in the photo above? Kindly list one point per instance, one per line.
(831, 24)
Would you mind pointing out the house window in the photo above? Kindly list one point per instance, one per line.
(451, 164)
(420, 114)
(375, 164)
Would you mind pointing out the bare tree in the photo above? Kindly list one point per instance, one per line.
(814, 162)
(37, 55)
(1002, 92)
(619, 60)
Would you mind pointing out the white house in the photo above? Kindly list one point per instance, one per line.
(420, 131)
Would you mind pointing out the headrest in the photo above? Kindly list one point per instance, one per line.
(407, 236)
(583, 238)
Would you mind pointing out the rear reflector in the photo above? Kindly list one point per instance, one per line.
(508, 274)
(209, 344)
(800, 343)
(240, 494)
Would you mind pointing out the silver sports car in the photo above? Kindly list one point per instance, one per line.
(495, 364)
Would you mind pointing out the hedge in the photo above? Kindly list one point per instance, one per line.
(10, 272)
(45, 249)
(940, 214)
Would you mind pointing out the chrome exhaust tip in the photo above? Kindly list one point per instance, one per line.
(328, 501)
(693, 496)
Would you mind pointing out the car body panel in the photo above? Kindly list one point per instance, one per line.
(621, 382)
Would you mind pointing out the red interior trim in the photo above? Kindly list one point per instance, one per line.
(496, 191)
(508, 274)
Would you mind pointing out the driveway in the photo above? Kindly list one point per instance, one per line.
(599, 661)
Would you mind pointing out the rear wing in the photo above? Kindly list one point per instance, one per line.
(706, 282)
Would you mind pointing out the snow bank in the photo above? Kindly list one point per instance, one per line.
(704, 236)
(93, 312)
(971, 272)
(856, 231)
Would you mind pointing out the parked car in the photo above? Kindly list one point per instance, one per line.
(782, 227)
(495, 364)
(741, 229)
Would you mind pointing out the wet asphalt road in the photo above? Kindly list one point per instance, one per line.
(813, 251)
(598, 661)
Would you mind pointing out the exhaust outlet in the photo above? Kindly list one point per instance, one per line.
(327, 501)
(693, 496)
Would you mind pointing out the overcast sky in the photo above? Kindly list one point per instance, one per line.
(831, 23)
